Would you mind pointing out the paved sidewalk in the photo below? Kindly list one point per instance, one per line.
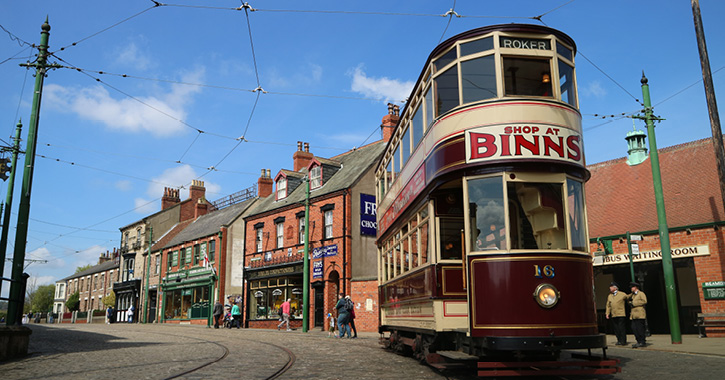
(691, 344)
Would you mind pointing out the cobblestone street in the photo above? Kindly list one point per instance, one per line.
(122, 351)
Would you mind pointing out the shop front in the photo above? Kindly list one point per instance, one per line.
(127, 296)
(268, 288)
(186, 296)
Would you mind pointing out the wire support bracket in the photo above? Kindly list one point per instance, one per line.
(246, 6)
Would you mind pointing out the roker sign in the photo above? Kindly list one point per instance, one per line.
(523, 141)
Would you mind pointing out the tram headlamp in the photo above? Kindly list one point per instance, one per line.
(546, 295)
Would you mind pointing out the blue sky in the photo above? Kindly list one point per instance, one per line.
(328, 77)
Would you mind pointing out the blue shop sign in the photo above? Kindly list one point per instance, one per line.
(368, 215)
(317, 269)
(328, 250)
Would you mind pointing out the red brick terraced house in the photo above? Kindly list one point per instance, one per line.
(92, 284)
(189, 285)
(620, 199)
(342, 253)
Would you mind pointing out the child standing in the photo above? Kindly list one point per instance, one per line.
(331, 330)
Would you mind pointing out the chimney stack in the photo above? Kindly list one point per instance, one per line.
(390, 121)
(200, 208)
(265, 185)
(170, 198)
(197, 190)
(302, 158)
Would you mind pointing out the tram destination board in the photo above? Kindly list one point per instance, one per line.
(714, 290)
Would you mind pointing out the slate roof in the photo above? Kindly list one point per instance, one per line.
(353, 164)
(102, 267)
(170, 234)
(210, 223)
(620, 197)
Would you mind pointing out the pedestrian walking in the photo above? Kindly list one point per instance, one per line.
(616, 312)
(130, 314)
(343, 315)
(351, 308)
(638, 314)
(236, 315)
(109, 314)
(331, 329)
(217, 313)
(285, 308)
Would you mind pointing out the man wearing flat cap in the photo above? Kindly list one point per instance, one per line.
(616, 312)
(638, 300)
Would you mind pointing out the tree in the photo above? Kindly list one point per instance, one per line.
(110, 300)
(73, 302)
(41, 300)
(83, 267)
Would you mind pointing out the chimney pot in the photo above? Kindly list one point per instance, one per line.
(299, 146)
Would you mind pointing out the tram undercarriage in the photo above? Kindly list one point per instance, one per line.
(456, 351)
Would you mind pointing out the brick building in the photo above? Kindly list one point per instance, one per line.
(91, 284)
(342, 256)
(620, 199)
(131, 288)
(189, 285)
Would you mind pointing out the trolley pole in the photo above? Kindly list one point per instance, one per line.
(41, 67)
(148, 276)
(9, 200)
(306, 262)
(717, 140)
(670, 291)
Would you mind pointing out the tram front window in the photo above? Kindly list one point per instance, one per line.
(525, 76)
(487, 213)
(536, 216)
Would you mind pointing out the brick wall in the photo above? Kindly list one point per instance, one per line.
(361, 292)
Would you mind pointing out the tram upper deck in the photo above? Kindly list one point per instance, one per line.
(492, 95)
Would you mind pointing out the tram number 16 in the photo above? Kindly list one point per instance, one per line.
(546, 271)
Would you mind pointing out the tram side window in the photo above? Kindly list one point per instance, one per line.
(526, 76)
(429, 107)
(478, 79)
(477, 46)
(389, 174)
(405, 147)
(577, 221)
(423, 230)
(536, 212)
(417, 126)
(446, 91)
(487, 213)
(566, 83)
(450, 241)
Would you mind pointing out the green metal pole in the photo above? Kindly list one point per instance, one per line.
(9, 200)
(148, 276)
(16, 296)
(306, 261)
(631, 261)
(670, 290)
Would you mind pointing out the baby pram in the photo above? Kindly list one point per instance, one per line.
(228, 319)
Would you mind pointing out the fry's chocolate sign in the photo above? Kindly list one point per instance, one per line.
(524, 141)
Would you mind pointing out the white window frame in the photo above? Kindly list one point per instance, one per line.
(279, 227)
(259, 235)
(282, 188)
(301, 226)
(328, 224)
(315, 176)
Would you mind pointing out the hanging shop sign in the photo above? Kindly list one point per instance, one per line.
(677, 253)
(368, 215)
(317, 269)
(326, 251)
(714, 290)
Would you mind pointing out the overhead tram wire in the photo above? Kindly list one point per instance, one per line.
(21, 42)
(156, 5)
(450, 14)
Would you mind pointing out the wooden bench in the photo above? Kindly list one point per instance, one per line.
(705, 320)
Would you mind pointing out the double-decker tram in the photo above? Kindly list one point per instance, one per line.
(482, 233)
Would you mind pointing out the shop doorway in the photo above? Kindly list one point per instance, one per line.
(319, 289)
(152, 308)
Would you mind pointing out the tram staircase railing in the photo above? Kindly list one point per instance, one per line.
(544, 216)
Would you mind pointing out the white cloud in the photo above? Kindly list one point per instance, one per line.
(131, 55)
(594, 89)
(126, 114)
(385, 88)
(307, 75)
(174, 177)
(123, 185)
(43, 280)
(43, 253)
